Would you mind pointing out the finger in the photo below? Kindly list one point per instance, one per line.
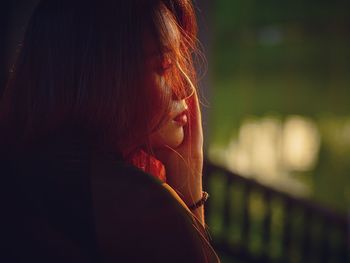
(194, 110)
(195, 124)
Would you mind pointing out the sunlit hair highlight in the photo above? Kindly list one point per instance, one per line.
(176, 34)
(82, 65)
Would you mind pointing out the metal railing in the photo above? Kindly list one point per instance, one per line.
(255, 223)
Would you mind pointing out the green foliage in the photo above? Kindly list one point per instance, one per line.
(285, 57)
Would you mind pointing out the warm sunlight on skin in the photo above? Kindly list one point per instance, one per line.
(171, 133)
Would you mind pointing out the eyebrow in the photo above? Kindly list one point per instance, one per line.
(164, 51)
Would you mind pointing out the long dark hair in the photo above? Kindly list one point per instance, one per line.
(82, 65)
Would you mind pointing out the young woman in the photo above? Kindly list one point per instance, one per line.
(101, 135)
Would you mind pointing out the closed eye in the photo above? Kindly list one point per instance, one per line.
(166, 64)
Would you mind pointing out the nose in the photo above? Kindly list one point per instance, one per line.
(181, 105)
(185, 106)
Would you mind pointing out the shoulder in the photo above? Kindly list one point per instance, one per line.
(100, 207)
(137, 217)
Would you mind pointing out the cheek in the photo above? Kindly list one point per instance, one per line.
(170, 135)
(159, 98)
(154, 99)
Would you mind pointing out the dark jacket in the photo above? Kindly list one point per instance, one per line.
(64, 204)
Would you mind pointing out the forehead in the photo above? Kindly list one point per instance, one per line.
(164, 38)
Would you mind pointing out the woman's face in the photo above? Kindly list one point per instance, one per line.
(171, 131)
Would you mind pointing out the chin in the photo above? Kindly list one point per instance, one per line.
(172, 139)
(175, 142)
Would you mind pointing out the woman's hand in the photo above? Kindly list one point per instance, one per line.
(185, 163)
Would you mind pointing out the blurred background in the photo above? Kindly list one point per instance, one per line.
(277, 124)
(278, 120)
(280, 94)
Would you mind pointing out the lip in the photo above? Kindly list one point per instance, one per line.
(180, 111)
(181, 118)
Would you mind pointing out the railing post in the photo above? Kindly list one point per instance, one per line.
(286, 231)
(227, 206)
(246, 218)
(306, 235)
(266, 238)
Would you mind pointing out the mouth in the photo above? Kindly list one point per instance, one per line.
(181, 119)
